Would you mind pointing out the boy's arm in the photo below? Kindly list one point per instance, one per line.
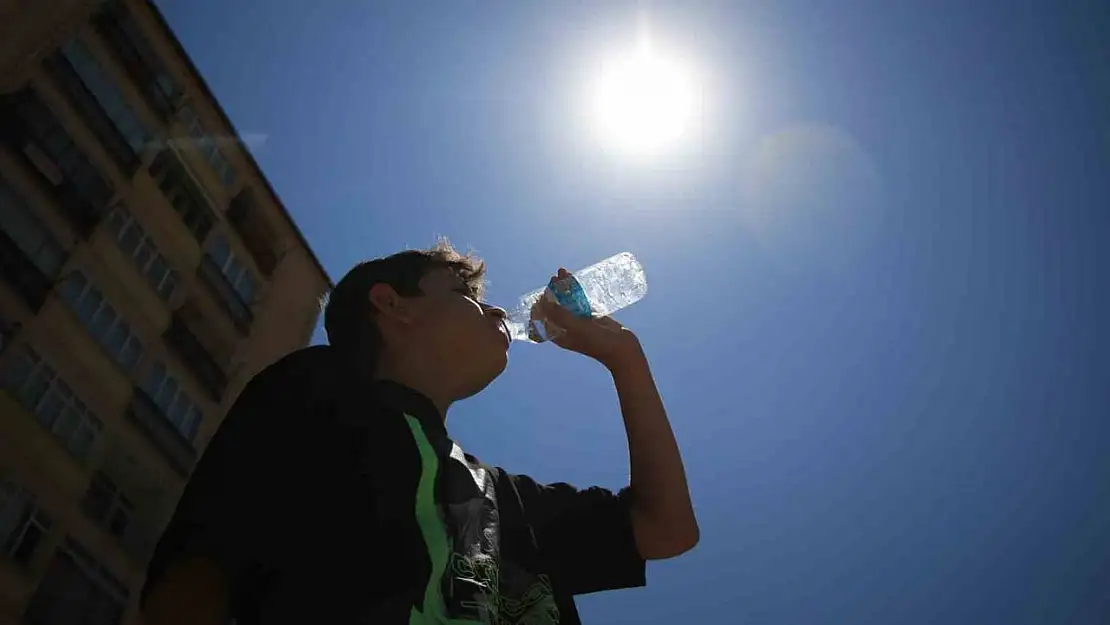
(662, 513)
(191, 591)
(232, 519)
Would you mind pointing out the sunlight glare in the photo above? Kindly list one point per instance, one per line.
(642, 102)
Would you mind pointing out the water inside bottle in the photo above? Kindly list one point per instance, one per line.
(596, 291)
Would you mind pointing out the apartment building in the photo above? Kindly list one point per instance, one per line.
(148, 271)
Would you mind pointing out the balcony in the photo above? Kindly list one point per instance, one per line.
(84, 217)
(243, 213)
(183, 193)
(144, 413)
(28, 127)
(133, 538)
(94, 115)
(126, 502)
(18, 270)
(217, 283)
(75, 588)
(125, 39)
(196, 357)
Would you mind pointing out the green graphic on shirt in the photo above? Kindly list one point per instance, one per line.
(532, 601)
(431, 528)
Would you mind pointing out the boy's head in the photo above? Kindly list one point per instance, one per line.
(421, 309)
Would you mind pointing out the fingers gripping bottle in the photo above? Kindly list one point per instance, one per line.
(596, 291)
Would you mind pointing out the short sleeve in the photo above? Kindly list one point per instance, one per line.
(584, 536)
(229, 511)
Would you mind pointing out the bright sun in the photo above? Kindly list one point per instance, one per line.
(642, 103)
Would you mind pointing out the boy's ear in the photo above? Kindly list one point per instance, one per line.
(387, 303)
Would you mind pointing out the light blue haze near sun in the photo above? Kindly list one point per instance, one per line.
(877, 266)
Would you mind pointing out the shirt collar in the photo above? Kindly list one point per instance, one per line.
(390, 394)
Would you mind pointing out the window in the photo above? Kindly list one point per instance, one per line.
(172, 400)
(233, 269)
(102, 321)
(100, 101)
(133, 241)
(183, 193)
(127, 41)
(22, 524)
(47, 139)
(28, 233)
(208, 145)
(53, 403)
(107, 506)
(77, 590)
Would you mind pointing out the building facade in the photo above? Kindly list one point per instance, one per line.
(148, 271)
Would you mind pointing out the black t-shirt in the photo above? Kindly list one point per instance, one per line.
(332, 501)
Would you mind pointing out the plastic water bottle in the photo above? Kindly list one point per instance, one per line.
(596, 291)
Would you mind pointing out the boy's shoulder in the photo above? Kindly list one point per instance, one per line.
(312, 365)
(309, 376)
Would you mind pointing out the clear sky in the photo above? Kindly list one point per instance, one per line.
(877, 271)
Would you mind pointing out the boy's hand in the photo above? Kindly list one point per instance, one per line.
(601, 338)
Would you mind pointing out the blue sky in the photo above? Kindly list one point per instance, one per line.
(877, 295)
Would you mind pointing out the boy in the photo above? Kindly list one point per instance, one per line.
(333, 494)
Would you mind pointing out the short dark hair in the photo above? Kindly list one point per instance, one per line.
(349, 317)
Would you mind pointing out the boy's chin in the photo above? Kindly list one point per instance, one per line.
(496, 373)
(480, 382)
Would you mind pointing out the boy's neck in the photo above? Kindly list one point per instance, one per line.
(419, 380)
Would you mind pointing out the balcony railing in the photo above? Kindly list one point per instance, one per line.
(244, 217)
(195, 356)
(148, 416)
(223, 290)
(18, 270)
